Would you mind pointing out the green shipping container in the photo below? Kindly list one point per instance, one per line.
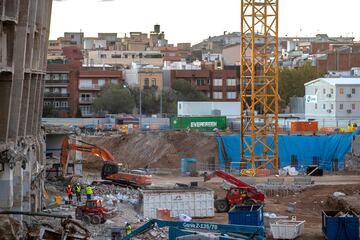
(199, 123)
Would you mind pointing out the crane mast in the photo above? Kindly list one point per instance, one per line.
(259, 84)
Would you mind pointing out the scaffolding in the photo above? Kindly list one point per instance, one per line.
(259, 83)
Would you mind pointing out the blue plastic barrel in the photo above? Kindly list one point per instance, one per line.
(185, 165)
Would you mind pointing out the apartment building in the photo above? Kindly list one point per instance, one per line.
(218, 85)
(89, 85)
(124, 58)
(333, 98)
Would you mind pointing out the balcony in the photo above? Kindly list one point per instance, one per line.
(203, 87)
(56, 95)
(89, 87)
(86, 100)
(57, 82)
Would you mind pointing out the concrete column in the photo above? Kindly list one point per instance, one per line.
(32, 97)
(17, 188)
(37, 93)
(19, 67)
(6, 188)
(24, 105)
(26, 205)
(5, 96)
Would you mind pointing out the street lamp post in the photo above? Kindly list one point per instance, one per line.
(140, 108)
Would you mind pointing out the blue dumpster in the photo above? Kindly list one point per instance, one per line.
(344, 226)
(246, 215)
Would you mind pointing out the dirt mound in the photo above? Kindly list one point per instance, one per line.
(156, 149)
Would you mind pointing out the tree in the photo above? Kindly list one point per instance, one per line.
(50, 111)
(186, 92)
(115, 99)
(291, 81)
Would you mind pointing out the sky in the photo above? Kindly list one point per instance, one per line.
(195, 20)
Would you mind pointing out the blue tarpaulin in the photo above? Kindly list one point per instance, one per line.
(327, 150)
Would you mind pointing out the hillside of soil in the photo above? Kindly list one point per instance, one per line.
(155, 149)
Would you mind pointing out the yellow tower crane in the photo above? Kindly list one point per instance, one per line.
(259, 84)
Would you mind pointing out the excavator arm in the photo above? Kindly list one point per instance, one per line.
(87, 147)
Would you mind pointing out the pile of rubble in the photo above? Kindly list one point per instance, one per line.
(155, 233)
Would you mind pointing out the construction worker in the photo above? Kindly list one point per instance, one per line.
(78, 190)
(69, 192)
(128, 229)
(89, 192)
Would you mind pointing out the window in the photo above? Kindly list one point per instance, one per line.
(64, 104)
(47, 77)
(102, 55)
(324, 106)
(56, 104)
(146, 82)
(218, 95)
(315, 105)
(332, 91)
(55, 76)
(231, 95)
(85, 110)
(153, 82)
(85, 83)
(316, 90)
(125, 56)
(133, 56)
(353, 106)
(47, 90)
(63, 76)
(341, 91)
(200, 82)
(341, 107)
(332, 106)
(324, 91)
(85, 96)
(63, 90)
(217, 82)
(231, 82)
(114, 81)
(101, 82)
(353, 90)
(116, 56)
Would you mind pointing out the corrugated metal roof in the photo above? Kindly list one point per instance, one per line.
(337, 81)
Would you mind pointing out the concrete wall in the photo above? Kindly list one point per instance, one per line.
(24, 32)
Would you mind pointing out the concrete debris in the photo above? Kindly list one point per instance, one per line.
(9, 228)
(155, 233)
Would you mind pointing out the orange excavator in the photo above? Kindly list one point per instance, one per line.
(110, 171)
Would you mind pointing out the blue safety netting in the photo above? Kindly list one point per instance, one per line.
(328, 151)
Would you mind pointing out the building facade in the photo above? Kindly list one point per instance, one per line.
(90, 83)
(217, 85)
(124, 58)
(24, 35)
(333, 98)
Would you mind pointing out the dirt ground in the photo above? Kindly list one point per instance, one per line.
(309, 203)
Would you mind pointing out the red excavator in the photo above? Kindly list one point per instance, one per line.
(111, 171)
(241, 193)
